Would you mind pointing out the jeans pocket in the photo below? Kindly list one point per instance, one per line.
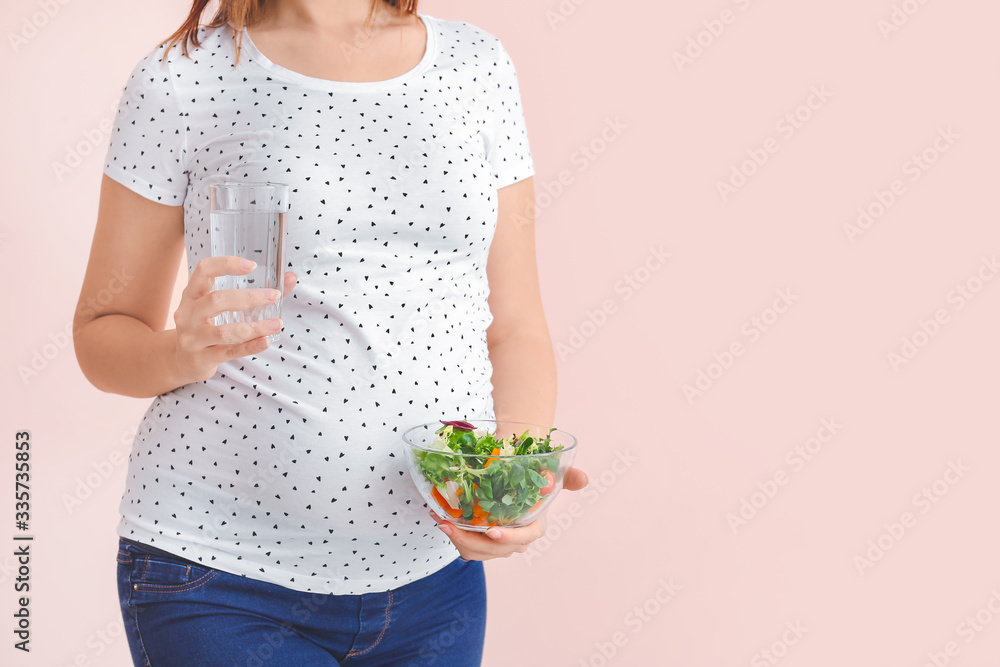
(159, 575)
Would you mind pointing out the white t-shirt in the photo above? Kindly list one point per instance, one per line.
(287, 466)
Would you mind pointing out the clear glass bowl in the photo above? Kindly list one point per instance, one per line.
(503, 491)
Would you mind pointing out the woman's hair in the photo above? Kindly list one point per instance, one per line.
(242, 13)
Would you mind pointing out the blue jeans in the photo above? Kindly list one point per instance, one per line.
(178, 613)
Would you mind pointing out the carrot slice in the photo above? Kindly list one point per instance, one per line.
(496, 450)
(444, 503)
(481, 521)
(478, 512)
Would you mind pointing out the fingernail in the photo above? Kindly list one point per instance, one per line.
(261, 345)
(446, 528)
(274, 325)
(272, 294)
(248, 265)
(495, 533)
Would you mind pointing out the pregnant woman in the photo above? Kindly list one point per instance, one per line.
(268, 517)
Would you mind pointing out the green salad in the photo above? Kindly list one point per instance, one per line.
(488, 490)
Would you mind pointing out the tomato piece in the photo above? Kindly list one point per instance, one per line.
(550, 478)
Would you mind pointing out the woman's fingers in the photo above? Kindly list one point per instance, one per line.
(494, 543)
(291, 280)
(220, 301)
(243, 332)
(574, 479)
(201, 344)
(202, 280)
(243, 349)
(212, 302)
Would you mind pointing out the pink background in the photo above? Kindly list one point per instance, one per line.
(666, 471)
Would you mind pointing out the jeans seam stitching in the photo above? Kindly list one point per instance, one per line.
(133, 612)
(172, 589)
(142, 644)
(380, 635)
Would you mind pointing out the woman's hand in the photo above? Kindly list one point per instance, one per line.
(503, 542)
(202, 345)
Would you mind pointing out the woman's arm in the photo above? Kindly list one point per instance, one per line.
(524, 365)
(118, 330)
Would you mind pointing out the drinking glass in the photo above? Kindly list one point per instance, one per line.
(248, 221)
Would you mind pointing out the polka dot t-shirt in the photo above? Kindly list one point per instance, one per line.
(287, 466)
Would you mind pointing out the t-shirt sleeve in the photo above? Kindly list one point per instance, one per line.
(148, 148)
(507, 146)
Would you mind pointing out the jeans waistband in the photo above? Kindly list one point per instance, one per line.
(153, 551)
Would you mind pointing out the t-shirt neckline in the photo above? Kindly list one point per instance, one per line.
(264, 62)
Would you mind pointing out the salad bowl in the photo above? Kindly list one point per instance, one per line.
(483, 473)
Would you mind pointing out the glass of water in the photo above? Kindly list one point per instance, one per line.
(248, 221)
